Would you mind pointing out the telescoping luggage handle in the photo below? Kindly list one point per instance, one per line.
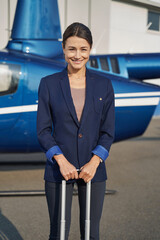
(63, 208)
(88, 207)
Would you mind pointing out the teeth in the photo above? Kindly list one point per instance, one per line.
(76, 60)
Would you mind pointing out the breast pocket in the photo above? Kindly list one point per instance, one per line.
(98, 104)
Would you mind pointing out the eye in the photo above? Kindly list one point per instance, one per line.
(84, 49)
(71, 49)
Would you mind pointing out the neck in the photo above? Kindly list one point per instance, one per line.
(77, 73)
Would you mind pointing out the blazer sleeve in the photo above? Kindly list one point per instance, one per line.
(44, 123)
(107, 126)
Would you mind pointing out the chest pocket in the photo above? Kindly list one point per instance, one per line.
(98, 104)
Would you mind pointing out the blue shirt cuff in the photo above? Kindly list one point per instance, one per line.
(55, 150)
(101, 152)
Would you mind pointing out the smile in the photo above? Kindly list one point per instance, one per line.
(77, 61)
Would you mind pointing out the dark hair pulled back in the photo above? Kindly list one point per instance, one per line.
(79, 30)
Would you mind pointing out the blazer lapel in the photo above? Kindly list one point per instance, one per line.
(68, 98)
(67, 95)
(88, 99)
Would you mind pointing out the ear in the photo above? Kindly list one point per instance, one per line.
(63, 48)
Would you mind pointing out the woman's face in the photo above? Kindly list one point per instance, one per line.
(76, 52)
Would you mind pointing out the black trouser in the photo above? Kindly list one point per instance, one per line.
(53, 195)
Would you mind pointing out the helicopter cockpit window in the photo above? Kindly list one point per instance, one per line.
(93, 63)
(9, 77)
(115, 65)
(104, 64)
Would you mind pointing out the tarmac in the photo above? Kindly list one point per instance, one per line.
(132, 213)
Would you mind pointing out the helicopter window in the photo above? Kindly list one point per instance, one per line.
(9, 77)
(93, 63)
(114, 64)
(153, 21)
(104, 64)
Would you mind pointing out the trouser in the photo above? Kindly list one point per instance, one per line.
(53, 195)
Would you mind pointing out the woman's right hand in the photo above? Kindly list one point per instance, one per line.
(67, 170)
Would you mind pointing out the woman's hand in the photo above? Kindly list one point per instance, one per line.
(67, 170)
(89, 169)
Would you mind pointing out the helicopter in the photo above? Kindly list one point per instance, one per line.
(35, 51)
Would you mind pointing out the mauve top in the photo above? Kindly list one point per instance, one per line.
(78, 96)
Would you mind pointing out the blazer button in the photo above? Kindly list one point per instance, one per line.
(80, 135)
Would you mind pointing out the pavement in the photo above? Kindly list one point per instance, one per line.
(132, 213)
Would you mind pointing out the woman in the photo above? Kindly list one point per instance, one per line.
(75, 127)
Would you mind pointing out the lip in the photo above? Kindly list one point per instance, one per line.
(77, 61)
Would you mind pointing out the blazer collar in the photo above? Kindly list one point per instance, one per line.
(68, 97)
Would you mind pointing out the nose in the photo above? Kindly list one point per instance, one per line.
(77, 54)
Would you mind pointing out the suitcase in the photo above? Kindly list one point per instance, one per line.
(63, 207)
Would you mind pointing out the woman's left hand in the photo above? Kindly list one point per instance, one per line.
(89, 169)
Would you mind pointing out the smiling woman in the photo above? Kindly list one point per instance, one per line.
(75, 127)
(77, 44)
(76, 51)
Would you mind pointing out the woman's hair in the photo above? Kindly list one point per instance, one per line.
(79, 30)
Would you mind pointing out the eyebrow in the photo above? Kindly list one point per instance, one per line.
(75, 47)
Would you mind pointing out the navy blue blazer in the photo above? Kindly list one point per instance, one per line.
(59, 130)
